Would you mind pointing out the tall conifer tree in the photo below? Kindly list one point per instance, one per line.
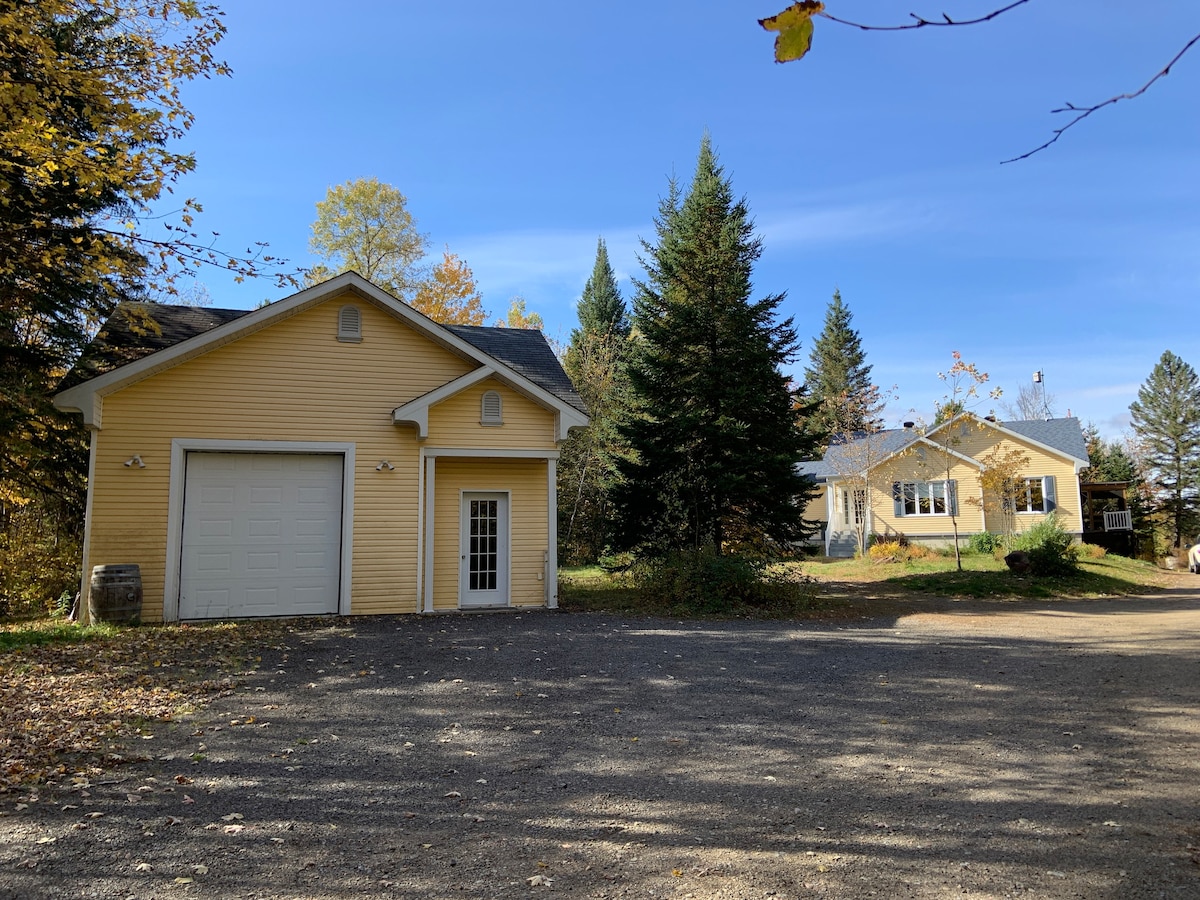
(602, 310)
(837, 378)
(595, 360)
(1166, 419)
(711, 422)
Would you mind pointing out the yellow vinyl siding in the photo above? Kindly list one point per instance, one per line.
(974, 442)
(455, 421)
(817, 509)
(292, 381)
(526, 481)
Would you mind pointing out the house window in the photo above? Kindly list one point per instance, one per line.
(923, 498)
(349, 324)
(1035, 495)
(491, 409)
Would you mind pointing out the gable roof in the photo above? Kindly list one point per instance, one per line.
(1062, 437)
(141, 339)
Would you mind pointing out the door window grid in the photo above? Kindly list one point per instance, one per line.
(484, 559)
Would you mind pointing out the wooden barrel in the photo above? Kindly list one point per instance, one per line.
(116, 594)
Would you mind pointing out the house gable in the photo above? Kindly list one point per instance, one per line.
(525, 361)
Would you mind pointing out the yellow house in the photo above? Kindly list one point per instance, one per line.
(904, 482)
(333, 452)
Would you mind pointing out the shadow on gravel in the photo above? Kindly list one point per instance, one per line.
(462, 756)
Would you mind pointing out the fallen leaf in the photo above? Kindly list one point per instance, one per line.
(200, 870)
(539, 880)
(234, 829)
(143, 867)
(232, 817)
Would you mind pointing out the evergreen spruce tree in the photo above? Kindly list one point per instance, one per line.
(837, 378)
(711, 424)
(1166, 420)
(602, 310)
(595, 361)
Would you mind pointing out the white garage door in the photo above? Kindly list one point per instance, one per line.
(261, 535)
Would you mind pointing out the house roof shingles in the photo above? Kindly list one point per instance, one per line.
(1063, 435)
(138, 330)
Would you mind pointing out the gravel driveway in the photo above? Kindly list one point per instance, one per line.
(1042, 750)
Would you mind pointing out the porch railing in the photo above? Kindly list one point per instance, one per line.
(1118, 520)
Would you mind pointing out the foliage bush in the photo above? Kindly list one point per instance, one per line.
(985, 543)
(39, 567)
(1052, 550)
(705, 582)
(887, 551)
(1092, 551)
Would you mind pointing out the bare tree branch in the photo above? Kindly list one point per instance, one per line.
(922, 22)
(1082, 112)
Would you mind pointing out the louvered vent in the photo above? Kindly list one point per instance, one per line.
(491, 411)
(349, 324)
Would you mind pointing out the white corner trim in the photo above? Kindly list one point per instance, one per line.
(85, 587)
(180, 447)
(426, 554)
(416, 411)
(552, 534)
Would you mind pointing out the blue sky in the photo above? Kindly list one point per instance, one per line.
(522, 131)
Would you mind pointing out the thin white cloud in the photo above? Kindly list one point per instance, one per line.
(841, 223)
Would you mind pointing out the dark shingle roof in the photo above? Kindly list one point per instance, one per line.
(137, 330)
(1061, 434)
(525, 351)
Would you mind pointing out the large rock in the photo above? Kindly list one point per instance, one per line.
(1018, 561)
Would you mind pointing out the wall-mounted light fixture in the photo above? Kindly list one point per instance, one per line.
(135, 460)
(384, 464)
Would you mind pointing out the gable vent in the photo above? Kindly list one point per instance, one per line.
(349, 324)
(491, 411)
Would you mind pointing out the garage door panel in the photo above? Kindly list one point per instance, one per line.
(261, 535)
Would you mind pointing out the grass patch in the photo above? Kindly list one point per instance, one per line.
(984, 576)
(591, 589)
(39, 632)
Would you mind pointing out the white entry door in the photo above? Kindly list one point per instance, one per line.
(483, 547)
(261, 535)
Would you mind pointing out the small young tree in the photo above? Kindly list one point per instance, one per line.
(1001, 483)
(953, 421)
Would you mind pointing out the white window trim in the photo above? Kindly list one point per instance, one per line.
(916, 485)
(1024, 508)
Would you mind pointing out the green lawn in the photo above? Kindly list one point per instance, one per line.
(588, 588)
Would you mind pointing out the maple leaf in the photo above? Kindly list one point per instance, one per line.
(795, 27)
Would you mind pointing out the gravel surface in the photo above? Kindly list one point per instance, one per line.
(983, 750)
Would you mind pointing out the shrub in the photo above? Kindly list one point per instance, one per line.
(1093, 551)
(985, 543)
(1052, 551)
(887, 551)
(703, 581)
